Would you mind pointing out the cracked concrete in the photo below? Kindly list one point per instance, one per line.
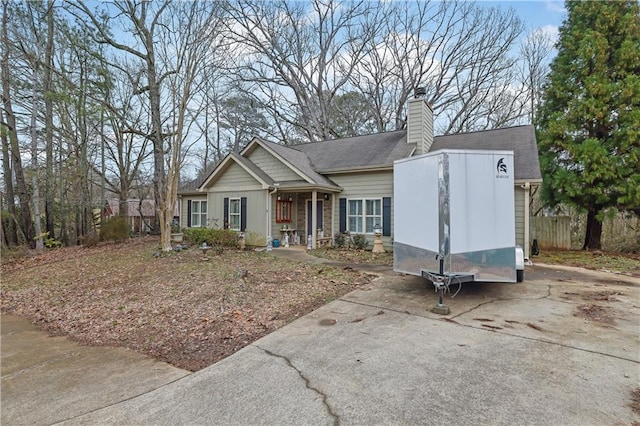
(307, 383)
(506, 354)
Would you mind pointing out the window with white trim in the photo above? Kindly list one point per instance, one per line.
(234, 214)
(364, 215)
(198, 214)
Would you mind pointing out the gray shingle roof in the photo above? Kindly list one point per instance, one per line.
(377, 150)
(521, 140)
(382, 149)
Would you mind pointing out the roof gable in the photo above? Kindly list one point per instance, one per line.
(296, 160)
(232, 158)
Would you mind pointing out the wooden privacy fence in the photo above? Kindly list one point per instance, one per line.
(551, 231)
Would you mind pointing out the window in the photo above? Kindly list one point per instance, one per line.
(364, 215)
(198, 214)
(234, 214)
(283, 211)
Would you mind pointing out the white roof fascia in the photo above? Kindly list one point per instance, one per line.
(358, 170)
(223, 165)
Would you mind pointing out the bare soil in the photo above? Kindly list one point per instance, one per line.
(179, 308)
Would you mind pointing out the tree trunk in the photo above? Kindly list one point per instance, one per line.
(594, 231)
(11, 232)
(156, 128)
(35, 183)
(21, 184)
(48, 112)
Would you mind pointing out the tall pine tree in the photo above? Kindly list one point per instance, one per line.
(589, 123)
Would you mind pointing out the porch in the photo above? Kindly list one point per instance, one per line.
(298, 216)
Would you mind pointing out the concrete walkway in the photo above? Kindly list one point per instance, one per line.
(507, 354)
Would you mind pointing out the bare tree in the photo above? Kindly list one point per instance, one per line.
(171, 40)
(302, 54)
(124, 150)
(536, 50)
(458, 51)
(12, 130)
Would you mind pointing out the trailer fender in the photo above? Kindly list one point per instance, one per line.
(519, 264)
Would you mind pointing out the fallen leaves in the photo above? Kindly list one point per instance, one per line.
(176, 308)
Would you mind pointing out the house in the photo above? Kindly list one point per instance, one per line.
(140, 213)
(320, 188)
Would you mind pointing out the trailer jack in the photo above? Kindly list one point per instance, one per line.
(440, 307)
(442, 282)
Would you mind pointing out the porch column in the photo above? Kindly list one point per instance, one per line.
(314, 219)
(333, 215)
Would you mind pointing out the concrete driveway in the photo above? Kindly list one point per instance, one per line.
(561, 348)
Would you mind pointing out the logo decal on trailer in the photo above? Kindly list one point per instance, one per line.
(501, 168)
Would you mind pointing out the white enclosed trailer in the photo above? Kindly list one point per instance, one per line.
(454, 217)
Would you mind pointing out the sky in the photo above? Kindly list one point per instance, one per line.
(547, 14)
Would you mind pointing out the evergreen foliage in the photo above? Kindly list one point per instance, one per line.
(589, 123)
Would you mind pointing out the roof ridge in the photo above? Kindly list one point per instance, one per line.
(485, 130)
(347, 137)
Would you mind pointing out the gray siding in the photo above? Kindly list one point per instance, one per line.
(256, 209)
(272, 166)
(365, 185)
(235, 177)
(519, 211)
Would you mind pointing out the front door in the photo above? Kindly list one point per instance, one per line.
(310, 216)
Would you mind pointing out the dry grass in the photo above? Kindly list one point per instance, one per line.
(354, 256)
(179, 308)
(628, 264)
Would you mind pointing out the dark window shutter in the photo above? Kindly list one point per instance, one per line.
(225, 224)
(189, 214)
(243, 213)
(343, 214)
(386, 216)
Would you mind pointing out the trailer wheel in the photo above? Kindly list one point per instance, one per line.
(520, 275)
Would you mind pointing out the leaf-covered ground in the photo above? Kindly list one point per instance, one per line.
(628, 264)
(181, 308)
(355, 256)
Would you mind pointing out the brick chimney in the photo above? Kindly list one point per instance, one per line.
(420, 122)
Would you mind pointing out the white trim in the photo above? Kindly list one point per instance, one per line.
(364, 215)
(236, 189)
(357, 170)
(239, 214)
(199, 213)
(527, 190)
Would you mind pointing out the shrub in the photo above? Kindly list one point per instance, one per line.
(224, 238)
(213, 237)
(339, 240)
(198, 236)
(51, 242)
(115, 229)
(360, 241)
(91, 239)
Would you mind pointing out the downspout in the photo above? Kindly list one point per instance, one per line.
(270, 194)
(527, 189)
